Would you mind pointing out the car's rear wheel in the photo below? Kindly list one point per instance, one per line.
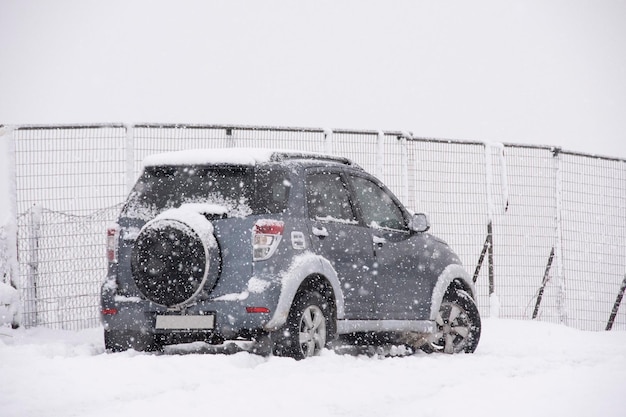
(458, 325)
(306, 332)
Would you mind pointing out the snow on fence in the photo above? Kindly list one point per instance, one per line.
(542, 230)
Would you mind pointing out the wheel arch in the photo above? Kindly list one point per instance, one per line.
(306, 272)
(453, 276)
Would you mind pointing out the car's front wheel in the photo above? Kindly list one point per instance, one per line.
(307, 329)
(458, 325)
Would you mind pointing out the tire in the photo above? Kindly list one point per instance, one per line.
(119, 341)
(307, 330)
(458, 325)
(175, 257)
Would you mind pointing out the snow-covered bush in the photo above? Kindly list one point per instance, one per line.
(9, 305)
(9, 297)
(4, 255)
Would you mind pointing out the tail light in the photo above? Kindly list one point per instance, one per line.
(257, 310)
(112, 235)
(266, 236)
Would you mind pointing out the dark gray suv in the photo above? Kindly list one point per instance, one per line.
(283, 251)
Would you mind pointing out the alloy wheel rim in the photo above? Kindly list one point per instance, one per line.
(312, 332)
(453, 328)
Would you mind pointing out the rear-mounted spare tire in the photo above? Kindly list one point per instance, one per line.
(171, 258)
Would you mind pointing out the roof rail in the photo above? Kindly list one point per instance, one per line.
(283, 156)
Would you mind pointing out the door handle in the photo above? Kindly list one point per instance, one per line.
(379, 240)
(320, 231)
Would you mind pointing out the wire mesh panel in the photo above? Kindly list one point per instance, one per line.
(77, 169)
(65, 178)
(523, 209)
(594, 236)
(150, 139)
(310, 140)
(362, 148)
(395, 168)
(62, 266)
(448, 183)
(543, 232)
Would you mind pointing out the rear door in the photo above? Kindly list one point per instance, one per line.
(338, 236)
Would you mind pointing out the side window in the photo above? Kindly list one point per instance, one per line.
(379, 209)
(272, 191)
(328, 198)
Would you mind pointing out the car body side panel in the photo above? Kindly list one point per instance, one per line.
(349, 250)
(400, 289)
(404, 293)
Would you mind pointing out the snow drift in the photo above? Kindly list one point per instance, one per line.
(521, 368)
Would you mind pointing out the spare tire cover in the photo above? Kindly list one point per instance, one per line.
(171, 257)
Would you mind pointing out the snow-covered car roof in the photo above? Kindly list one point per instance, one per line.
(234, 156)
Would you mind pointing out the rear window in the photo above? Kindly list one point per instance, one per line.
(236, 188)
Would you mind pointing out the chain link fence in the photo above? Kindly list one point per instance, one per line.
(543, 231)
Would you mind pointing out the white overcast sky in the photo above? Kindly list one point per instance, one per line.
(535, 71)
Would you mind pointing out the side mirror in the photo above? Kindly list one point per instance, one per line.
(419, 223)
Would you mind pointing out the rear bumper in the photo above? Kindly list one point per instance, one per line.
(224, 319)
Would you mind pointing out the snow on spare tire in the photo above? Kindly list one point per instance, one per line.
(171, 258)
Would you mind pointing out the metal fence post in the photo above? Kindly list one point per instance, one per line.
(544, 282)
(404, 149)
(494, 302)
(492, 285)
(8, 133)
(328, 142)
(616, 305)
(558, 247)
(230, 136)
(12, 249)
(380, 154)
(32, 279)
(130, 157)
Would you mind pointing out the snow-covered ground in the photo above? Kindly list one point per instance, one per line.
(521, 368)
